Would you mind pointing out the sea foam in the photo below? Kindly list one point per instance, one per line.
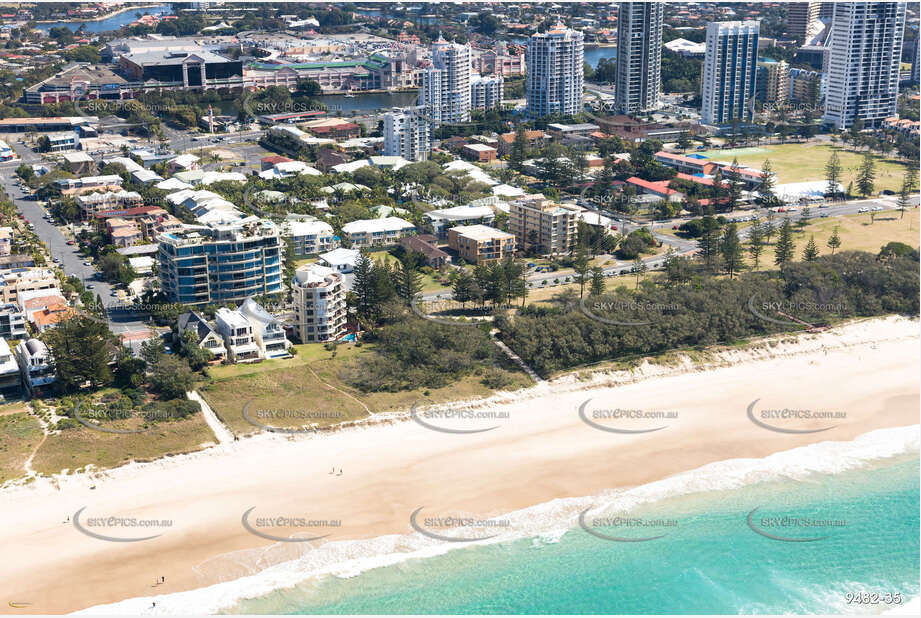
(544, 523)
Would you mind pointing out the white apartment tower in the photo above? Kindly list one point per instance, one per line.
(319, 303)
(446, 86)
(486, 92)
(555, 73)
(407, 133)
(639, 56)
(864, 49)
(729, 73)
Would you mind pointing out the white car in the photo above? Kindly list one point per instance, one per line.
(877, 208)
(864, 209)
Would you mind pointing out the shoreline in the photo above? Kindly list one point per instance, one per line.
(391, 468)
(99, 18)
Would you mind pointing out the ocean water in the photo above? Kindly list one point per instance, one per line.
(861, 497)
(709, 560)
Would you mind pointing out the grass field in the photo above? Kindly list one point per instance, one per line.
(21, 433)
(75, 448)
(308, 390)
(802, 162)
(858, 234)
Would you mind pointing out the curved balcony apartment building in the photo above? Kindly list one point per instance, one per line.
(221, 263)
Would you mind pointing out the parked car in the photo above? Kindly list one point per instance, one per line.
(864, 209)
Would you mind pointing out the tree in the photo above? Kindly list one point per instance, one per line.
(408, 281)
(709, 239)
(581, 266)
(598, 282)
(834, 241)
(755, 243)
(462, 290)
(519, 151)
(172, 377)
(911, 176)
(197, 356)
(783, 250)
(803, 220)
(766, 188)
(866, 174)
(363, 286)
(731, 250)
(734, 177)
(81, 348)
(811, 252)
(833, 175)
(639, 268)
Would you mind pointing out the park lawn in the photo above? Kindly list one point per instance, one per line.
(431, 284)
(805, 162)
(20, 433)
(72, 449)
(855, 231)
(313, 392)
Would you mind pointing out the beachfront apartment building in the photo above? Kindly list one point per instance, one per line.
(377, 232)
(729, 72)
(543, 226)
(407, 133)
(35, 366)
(639, 56)
(239, 339)
(445, 89)
(221, 262)
(864, 52)
(319, 303)
(481, 244)
(14, 283)
(555, 72)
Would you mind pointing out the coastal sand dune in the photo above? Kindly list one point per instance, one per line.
(862, 376)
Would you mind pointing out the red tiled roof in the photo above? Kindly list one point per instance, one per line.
(661, 187)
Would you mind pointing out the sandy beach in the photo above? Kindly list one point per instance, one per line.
(862, 376)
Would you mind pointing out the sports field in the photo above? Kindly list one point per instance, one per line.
(803, 162)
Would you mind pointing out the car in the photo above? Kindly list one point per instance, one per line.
(114, 293)
(792, 209)
(90, 286)
(823, 205)
(781, 210)
(85, 263)
(674, 227)
(877, 208)
(70, 242)
(864, 209)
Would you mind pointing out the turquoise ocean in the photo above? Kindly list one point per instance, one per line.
(846, 514)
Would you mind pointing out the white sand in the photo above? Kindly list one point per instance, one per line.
(868, 370)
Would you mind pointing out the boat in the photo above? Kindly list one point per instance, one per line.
(349, 95)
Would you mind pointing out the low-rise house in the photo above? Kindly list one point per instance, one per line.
(481, 244)
(35, 366)
(123, 232)
(425, 244)
(12, 321)
(319, 303)
(267, 330)
(239, 339)
(377, 232)
(535, 139)
(10, 379)
(79, 162)
(110, 200)
(206, 337)
(183, 162)
(16, 261)
(333, 128)
(87, 184)
(146, 177)
(659, 188)
(341, 260)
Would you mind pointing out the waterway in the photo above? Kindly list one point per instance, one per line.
(110, 23)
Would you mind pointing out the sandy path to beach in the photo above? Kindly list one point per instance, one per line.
(542, 451)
